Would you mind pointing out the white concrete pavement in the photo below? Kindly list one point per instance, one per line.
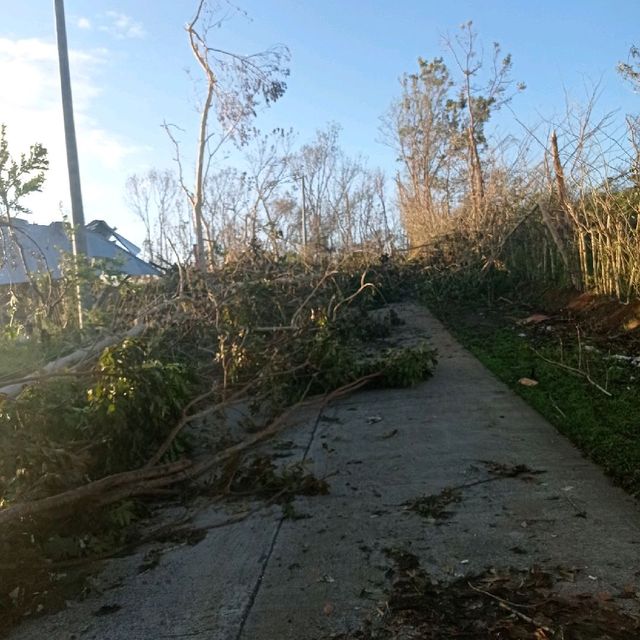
(270, 578)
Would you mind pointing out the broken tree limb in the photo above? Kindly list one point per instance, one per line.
(147, 480)
(187, 417)
(578, 372)
(73, 360)
(280, 423)
(69, 361)
(89, 491)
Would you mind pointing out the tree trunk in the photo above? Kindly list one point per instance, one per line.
(560, 245)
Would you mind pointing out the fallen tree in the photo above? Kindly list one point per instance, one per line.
(71, 364)
(273, 335)
(145, 412)
(148, 479)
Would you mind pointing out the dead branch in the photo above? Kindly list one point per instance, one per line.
(146, 480)
(511, 607)
(73, 359)
(579, 372)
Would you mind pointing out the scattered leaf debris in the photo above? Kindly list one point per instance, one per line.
(507, 604)
(107, 610)
(501, 470)
(434, 507)
(260, 477)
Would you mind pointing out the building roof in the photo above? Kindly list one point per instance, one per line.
(29, 249)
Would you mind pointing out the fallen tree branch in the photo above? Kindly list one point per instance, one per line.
(280, 422)
(146, 480)
(187, 418)
(89, 491)
(511, 607)
(317, 287)
(47, 376)
(578, 372)
(363, 285)
(73, 359)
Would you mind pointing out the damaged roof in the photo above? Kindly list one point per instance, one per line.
(29, 249)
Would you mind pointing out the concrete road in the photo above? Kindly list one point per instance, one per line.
(271, 578)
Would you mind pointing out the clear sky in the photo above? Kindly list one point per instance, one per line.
(129, 61)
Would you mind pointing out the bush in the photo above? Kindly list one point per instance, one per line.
(60, 432)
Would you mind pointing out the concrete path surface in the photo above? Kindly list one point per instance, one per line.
(271, 578)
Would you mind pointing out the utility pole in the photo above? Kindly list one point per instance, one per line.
(79, 238)
(77, 211)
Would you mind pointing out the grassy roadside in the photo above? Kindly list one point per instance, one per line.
(606, 428)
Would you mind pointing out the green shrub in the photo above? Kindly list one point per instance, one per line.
(60, 431)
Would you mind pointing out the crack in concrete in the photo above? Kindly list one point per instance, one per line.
(256, 589)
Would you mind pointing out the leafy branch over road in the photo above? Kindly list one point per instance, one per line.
(269, 337)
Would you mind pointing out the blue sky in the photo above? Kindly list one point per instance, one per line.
(129, 62)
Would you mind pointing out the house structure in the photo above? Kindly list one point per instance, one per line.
(28, 250)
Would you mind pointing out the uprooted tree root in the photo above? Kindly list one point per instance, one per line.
(506, 604)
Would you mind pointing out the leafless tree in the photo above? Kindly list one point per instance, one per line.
(421, 127)
(236, 86)
(480, 94)
(346, 201)
(269, 169)
(156, 199)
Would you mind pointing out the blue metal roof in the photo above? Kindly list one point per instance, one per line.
(30, 249)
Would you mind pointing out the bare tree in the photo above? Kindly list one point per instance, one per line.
(478, 99)
(235, 86)
(156, 199)
(345, 199)
(317, 161)
(269, 168)
(226, 215)
(421, 126)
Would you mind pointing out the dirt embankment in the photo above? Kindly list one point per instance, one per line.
(602, 316)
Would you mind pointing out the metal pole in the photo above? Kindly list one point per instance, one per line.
(79, 239)
(77, 211)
